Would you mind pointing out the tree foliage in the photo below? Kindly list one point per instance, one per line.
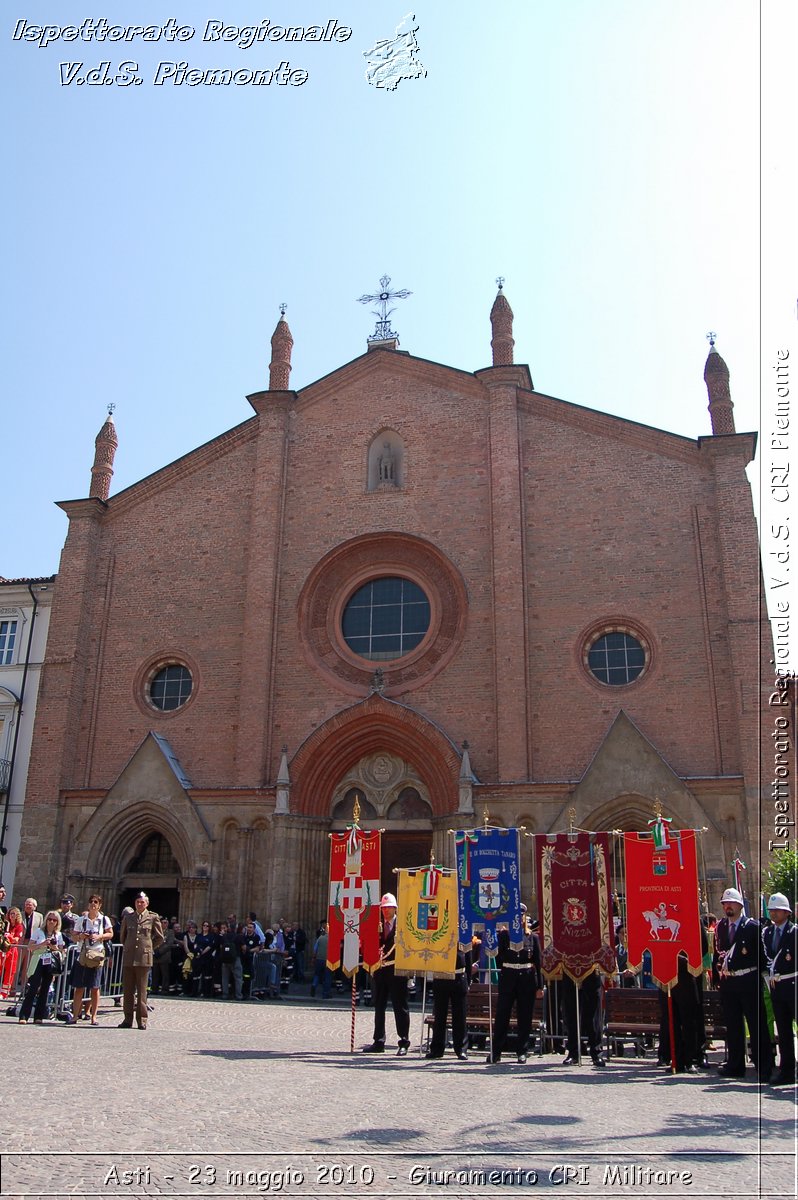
(783, 874)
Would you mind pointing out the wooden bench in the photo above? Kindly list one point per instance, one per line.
(479, 1007)
(630, 1015)
(633, 1015)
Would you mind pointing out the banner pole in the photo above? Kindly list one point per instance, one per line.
(670, 1030)
(423, 1013)
(578, 1028)
(490, 1003)
(354, 1005)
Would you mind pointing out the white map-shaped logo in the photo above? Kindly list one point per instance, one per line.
(390, 60)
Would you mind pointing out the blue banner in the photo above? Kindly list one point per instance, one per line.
(489, 886)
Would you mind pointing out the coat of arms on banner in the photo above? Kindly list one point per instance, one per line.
(574, 911)
(426, 922)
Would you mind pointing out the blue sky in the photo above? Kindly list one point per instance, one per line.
(602, 155)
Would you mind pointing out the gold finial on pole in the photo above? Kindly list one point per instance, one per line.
(356, 810)
(485, 818)
(657, 807)
(571, 821)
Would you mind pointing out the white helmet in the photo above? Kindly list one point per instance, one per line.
(388, 901)
(731, 896)
(779, 900)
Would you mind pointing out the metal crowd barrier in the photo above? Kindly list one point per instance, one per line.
(61, 992)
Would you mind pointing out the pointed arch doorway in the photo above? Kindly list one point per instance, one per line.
(153, 869)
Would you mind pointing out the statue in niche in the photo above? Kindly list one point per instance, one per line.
(386, 466)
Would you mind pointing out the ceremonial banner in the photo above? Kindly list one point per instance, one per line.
(662, 912)
(354, 908)
(574, 907)
(426, 923)
(489, 886)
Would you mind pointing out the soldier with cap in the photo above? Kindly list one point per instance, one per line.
(140, 933)
(388, 985)
(781, 949)
(740, 956)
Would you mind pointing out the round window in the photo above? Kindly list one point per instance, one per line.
(616, 658)
(385, 619)
(170, 687)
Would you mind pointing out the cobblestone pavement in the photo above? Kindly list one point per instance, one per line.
(242, 1099)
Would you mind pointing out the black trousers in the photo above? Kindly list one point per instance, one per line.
(447, 992)
(688, 1027)
(386, 985)
(37, 989)
(783, 996)
(589, 1019)
(515, 988)
(742, 1001)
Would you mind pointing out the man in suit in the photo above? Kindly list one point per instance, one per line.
(740, 957)
(781, 949)
(140, 933)
(387, 985)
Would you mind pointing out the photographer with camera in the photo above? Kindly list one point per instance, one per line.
(46, 960)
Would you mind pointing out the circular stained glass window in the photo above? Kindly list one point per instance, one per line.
(616, 658)
(385, 619)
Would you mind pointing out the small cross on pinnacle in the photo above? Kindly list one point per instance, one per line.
(500, 281)
(283, 307)
(711, 339)
(111, 408)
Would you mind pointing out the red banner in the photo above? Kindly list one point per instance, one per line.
(662, 913)
(354, 904)
(574, 904)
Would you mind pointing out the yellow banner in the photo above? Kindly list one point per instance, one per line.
(426, 923)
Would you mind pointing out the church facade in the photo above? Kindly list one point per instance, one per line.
(439, 592)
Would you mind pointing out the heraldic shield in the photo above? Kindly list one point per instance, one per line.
(489, 886)
(426, 922)
(662, 902)
(574, 904)
(354, 905)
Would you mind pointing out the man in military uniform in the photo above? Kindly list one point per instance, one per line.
(781, 948)
(740, 956)
(140, 933)
(519, 984)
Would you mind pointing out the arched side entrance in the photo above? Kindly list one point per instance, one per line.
(141, 850)
(155, 870)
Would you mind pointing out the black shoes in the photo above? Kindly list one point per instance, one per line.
(374, 1048)
(462, 1055)
(429, 1056)
(569, 1061)
(597, 1060)
(125, 1025)
(522, 1058)
(731, 1074)
(404, 1046)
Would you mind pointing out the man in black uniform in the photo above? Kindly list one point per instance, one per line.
(519, 985)
(589, 1023)
(444, 993)
(781, 947)
(388, 985)
(740, 955)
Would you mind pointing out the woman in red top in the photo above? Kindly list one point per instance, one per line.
(15, 930)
